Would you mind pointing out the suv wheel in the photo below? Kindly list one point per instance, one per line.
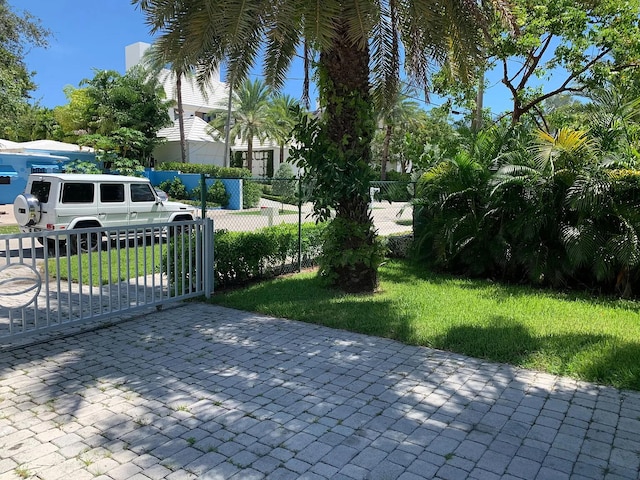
(26, 209)
(88, 243)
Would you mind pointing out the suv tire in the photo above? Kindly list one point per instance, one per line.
(26, 209)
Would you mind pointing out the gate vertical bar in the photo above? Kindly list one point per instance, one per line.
(209, 252)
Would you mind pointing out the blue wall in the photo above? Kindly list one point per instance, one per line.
(192, 180)
(23, 164)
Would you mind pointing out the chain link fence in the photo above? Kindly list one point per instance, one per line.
(277, 224)
(279, 202)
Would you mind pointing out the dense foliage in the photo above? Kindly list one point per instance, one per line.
(552, 209)
(19, 31)
(216, 194)
(242, 257)
(210, 170)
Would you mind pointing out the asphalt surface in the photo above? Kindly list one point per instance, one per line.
(200, 391)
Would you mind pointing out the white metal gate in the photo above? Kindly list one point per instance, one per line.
(54, 280)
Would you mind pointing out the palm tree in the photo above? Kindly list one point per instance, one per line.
(399, 113)
(350, 35)
(155, 59)
(249, 115)
(282, 120)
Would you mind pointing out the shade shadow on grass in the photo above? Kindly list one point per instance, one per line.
(282, 297)
(584, 356)
(590, 340)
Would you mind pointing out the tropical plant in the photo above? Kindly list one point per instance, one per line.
(18, 33)
(284, 184)
(156, 59)
(281, 119)
(114, 105)
(359, 44)
(399, 113)
(249, 113)
(216, 193)
(174, 188)
(564, 47)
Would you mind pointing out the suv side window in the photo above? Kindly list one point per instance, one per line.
(141, 192)
(77, 193)
(112, 192)
(41, 190)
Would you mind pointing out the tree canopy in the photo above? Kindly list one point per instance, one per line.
(360, 45)
(18, 31)
(126, 109)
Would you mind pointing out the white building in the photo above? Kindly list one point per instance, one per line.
(203, 146)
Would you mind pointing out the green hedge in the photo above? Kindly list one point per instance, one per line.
(241, 257)
(213, 170)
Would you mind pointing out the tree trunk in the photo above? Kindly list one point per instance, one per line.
(385, 152)
(350, 126)
(183, 140)
(250, 155)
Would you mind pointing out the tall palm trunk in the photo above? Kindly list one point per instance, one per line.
(250, 154)
(183, 141)
(385, 152)
(350, 128)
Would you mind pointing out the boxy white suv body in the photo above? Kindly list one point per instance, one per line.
(53, 202)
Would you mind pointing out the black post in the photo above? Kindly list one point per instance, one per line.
(203, 195)
(299, 224)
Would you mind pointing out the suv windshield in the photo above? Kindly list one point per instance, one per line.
(141, 192)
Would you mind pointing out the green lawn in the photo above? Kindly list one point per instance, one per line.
(114, 265)
(8, 229)
(592, 339)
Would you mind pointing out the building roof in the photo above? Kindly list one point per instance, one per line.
(195, 130)
(8, 144)
(216, 96)
(52, 145)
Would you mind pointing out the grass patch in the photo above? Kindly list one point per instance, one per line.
(8, 229)
(109, 266)
(593, 339)
(405, 222)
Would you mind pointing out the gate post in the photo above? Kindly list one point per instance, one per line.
(208, 241)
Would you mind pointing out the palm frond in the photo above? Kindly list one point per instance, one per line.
(320, 17)
(385, 45)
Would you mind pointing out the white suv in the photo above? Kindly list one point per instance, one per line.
(59, 201)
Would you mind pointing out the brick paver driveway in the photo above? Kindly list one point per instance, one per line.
(200, 391)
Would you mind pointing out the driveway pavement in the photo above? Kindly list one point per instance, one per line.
(200, 391)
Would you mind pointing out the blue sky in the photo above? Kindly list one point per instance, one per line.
(85, 35)
(88, 35)
(92, 34)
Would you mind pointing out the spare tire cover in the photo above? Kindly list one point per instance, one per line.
(26, 209)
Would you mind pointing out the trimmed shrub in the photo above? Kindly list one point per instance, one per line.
(241, 257)
(251, 193)
(213, 170)
(398, 246)
(216, 193)
(174, 188)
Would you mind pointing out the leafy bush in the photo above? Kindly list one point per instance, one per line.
(241, 257)
(284, 184)
(213, 170)
(251, 193)
(338, 261)
(216, 193)
(398, 246)
(244, 256)
(81, 166)
(175, 188)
